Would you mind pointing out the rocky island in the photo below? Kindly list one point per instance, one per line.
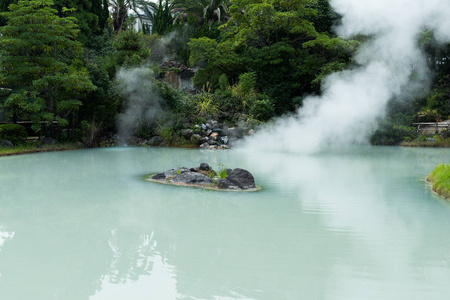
(205, 177)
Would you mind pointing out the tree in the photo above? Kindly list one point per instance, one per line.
(266, 35)
(121, 9)
(4, 4)
(160, 14)
(129, 50)
(208, 11)
(40, 64)
(90, 16)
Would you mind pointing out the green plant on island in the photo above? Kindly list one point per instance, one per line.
(222, 171)
(440, 180)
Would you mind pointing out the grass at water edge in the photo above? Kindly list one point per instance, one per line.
(25, 149)
(440, 180)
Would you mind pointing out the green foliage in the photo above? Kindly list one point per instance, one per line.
(393, 131)
(439, 98)
(206, 106)
(120, 9)
(428, 115)
(90, 16)
(205, 11)
(440, 179)
(166, 131)
(325, 17)
(261, 107)
(14, 133)
(266, 35)
(41, 63)
(222, 171)
(160, 14)
(131, 50)
(101, 105)
(4, 4)
(223, 82)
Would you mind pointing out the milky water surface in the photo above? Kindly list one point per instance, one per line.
(359, 224)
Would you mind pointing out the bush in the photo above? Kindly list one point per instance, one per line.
(392, 134)
(262, 108)
(206, 105)
(13, 132)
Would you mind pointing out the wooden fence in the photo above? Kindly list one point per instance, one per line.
(432, 126)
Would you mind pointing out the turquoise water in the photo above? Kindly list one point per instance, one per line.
(361, 224)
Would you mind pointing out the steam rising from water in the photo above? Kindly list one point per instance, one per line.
(142, 101)
(353, 100)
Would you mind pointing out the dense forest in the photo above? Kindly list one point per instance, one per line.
(75, 69)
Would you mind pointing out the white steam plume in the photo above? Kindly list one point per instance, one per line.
(142, 101)
(352, 101)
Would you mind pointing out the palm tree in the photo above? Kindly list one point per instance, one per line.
(204, 10)
(121, 9)
(160, 14)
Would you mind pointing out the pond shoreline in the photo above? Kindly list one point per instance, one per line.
(439, 179)
(35, 149)
(76, 146)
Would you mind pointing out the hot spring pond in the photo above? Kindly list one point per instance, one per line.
(361, 224)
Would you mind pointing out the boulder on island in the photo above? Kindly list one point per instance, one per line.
(237, 179)
(192, 178)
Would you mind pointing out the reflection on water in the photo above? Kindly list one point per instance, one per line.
(361, 224)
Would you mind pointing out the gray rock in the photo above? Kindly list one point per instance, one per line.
(237, 179)
(187, 133)
(204, 167)
(196, 137)
(192, 178)
(204, 127)
(170, 173)
(225, 130)
(211, 124)
(204, 146)
(236, 132)
(159, 176)
(6, 144)
(224, 139)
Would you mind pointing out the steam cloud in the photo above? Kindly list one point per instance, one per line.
(352, 101)
(142, 101)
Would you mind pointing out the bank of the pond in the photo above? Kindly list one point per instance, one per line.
(438, 143)
(25, 149)
(440, 180)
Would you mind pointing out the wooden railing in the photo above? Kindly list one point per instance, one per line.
(438, 126)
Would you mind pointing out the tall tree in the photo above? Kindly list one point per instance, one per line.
(40, 63)
(121, 8)
(208, 11)
(160, 14)
(4, 4)
(90, 15)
